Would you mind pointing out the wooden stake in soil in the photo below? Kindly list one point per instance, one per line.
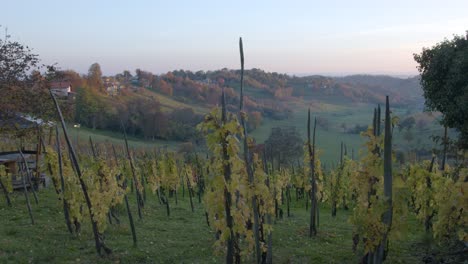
(248, 161)
(190, 191)
(99, 240)
(381, 251)
(127, 205)
(7, 197)
(62, 182)
(29, 176)
(313, 192)
(135, 181)
(25, 189)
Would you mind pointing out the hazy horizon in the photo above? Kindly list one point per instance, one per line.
(298, 38)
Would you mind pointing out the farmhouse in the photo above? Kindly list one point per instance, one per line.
(61, 88)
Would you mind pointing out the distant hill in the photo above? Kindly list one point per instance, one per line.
(163, 106)
(409, 88)
(261, 85)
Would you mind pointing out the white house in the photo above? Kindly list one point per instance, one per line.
(60, 88)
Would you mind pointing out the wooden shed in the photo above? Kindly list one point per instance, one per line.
(15, 165)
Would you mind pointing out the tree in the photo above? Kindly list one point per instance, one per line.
(163, 87)
(255, 120)
(16, 60)
(145, 78)
(23, 87)
(73, 77)
(127, 75)
(87, 107)
(182, 124)
(95, 76)
(443, 71)
(284, 145)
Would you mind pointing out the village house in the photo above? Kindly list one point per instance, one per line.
(61, 88)
(112, 87)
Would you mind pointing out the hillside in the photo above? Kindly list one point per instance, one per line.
(275, 95)
(261, 85)
(408, 88)
(168, 106)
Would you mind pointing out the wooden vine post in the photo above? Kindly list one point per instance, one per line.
(99, 240)
(313, 191)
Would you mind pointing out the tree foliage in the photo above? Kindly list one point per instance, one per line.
(443, 71)
(284, 145)
(24, 82)
(16, 61)
(95, 76)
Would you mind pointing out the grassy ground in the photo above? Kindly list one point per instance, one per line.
(82, 135)
(329, 140)
(183, 237)
(170, 104)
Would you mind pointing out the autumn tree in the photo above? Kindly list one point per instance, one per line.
(87, 107)
(255, 120)
(145, 79)
(95, 77)
(73, 77)
(145, 118)
(124, 77)
(16, 61)
(23, 81)
(162, 86)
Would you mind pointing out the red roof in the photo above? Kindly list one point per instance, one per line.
(60, 84)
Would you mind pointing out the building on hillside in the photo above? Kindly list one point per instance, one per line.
(61, 88)
(112, 87)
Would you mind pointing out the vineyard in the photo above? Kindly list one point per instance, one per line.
(114, 203)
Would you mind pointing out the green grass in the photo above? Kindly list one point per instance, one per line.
(183, 237)
(82, 134)
(170, 104)
(336, 113)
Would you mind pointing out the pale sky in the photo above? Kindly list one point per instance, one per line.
(297, 37)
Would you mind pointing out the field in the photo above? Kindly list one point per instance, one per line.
(336, 112)
(82, 135)
(184, 237)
